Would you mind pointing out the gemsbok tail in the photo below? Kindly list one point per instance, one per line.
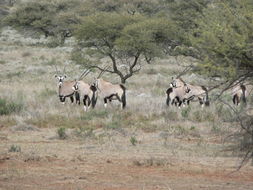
(168, 91)
(94, 97)
(243, 87)
(206, 99)
(123, 97)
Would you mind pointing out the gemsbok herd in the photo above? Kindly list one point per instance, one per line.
(88, 93)
(179, 93)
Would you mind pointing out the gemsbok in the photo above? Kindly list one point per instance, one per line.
(109, 91)
(177, 96)
(240, 92)
(87, 93)
(65, 88)
(199, 92)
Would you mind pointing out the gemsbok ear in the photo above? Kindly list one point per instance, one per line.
(65, 76)
(55, 76)
(172, 78)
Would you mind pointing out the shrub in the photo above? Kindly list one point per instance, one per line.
(62, 133)
(15, 148)
(113, 124)
(185, 112)
(94, 114)
(202, 116)
(133, 141)
(8, 107)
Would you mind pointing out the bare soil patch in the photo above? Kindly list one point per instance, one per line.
(50, 163)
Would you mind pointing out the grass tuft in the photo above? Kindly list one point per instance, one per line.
(15, 148)
(9, 107)
(62, 133)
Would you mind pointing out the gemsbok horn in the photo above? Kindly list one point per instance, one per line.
(177, 96)
(241, 92)
(109, 91)
(65, 88)
(199, 92)
(86, 92)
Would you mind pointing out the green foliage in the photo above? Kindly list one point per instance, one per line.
(147, 36)
(185, 12)
(203, 116)
(193, 128)
(115, 124)
(9, 107)
(133, 141)
(102, 28)
(15, 148)
(52, 19)
(62, 133)
(146, 7)
(185, 112)
(124, 37)
(93, 114)
(224, 38)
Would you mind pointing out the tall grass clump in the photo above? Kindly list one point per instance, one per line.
(62, 133)
(185, 112)
(8, 107)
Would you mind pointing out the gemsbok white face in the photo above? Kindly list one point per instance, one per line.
(194, 91)
(177, 82)
(179, 95)
(60, 78)
(65, 87)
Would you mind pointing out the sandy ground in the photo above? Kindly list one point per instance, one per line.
(107, 160)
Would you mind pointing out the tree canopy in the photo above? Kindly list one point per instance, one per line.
(224, 39)
(52, 19)
(125, 39)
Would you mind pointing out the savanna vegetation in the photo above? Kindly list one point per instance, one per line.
(142, 44)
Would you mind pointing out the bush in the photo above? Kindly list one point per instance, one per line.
(203, 116)
(15, 148)
(185, 112)
(62, 133)
(8, 107)
(133, 141)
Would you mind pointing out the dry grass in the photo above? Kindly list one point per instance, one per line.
(28, 76)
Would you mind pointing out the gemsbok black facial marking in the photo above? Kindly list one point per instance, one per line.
(191, 92)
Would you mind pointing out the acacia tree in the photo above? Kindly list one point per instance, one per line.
(126, 40)
(50, 18)
(224, 41)
(146, 7)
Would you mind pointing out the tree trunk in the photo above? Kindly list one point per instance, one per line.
(123, 80)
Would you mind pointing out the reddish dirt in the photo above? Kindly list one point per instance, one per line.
(74, 164)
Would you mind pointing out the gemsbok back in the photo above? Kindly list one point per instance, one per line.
(177, 96)
(240, 92)
(109, 91)
(87, 93)
(65, 88)
(199, 92)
